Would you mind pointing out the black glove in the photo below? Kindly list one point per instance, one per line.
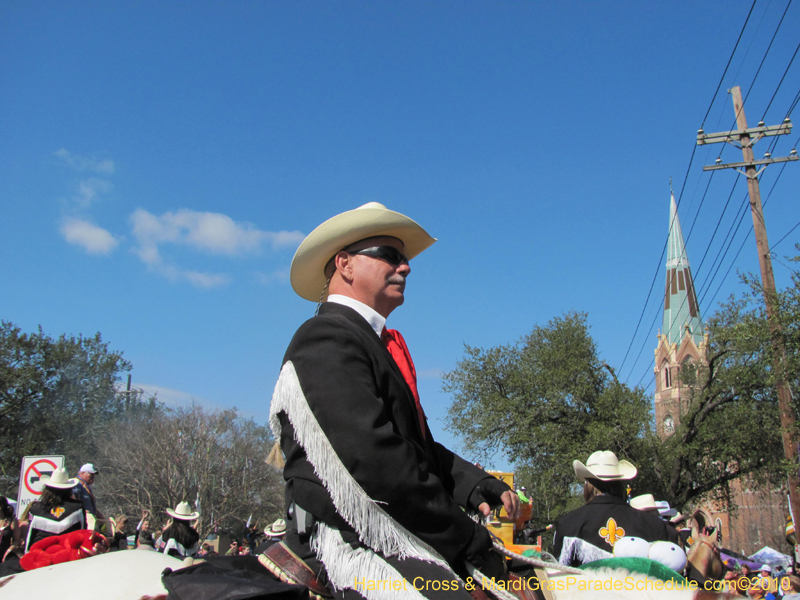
(481, 555)
(488, 490)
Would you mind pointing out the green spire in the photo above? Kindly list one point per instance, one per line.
(680, 299)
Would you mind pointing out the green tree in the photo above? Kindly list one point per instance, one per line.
(548, 399)
(545, 401)
(731, 427)
(56, 397)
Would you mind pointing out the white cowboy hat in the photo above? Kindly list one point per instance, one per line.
(59, 479)
(373, 219)
(645, 503)
(278, 528)
(183, 512)
(677, 519)
(664, 510)
(605, 466)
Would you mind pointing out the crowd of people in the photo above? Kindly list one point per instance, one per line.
(68, 504)
(599, 529)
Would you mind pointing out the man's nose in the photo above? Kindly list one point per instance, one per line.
(404, 269)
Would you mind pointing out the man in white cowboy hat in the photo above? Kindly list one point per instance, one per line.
(590, 532)
(370, 495)
(645, 502)
(277, 530)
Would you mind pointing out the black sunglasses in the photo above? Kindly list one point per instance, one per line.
(388, 253)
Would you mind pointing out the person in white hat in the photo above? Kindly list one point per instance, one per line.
(277, 530)
(274, 533)
(55, 512)
(590, 532)
(645, 502)
(82, 491)
(179, 538)
(367, 485)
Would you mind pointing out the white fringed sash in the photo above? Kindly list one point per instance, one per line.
(581, 550)
(374, 526)
(172, 544)
(54, 527)
(359, 569)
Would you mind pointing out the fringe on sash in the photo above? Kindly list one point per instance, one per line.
(358, 568)
(54, 527)
(577, 549)
(374, 526)
(173, 544)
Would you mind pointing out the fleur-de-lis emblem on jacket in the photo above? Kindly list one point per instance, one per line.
(611, 533)
(57, 511)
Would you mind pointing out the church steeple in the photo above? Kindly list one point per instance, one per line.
(682, 338)
(681, 311)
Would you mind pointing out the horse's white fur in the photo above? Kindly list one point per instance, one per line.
(122, 575)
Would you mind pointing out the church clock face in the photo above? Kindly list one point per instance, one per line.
(669, 424)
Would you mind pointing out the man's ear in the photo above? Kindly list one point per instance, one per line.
(343, 262)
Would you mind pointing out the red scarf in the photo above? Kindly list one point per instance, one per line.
(396, 346)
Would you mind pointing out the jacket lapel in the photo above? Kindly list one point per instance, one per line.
(333, 308)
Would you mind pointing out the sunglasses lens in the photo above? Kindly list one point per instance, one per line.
(388, 253)
(391, 255)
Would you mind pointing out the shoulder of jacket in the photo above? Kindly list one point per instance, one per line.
(324, 324)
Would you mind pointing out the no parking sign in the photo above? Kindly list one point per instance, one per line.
(34, 468)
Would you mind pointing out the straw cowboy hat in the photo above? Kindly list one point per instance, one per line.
(59, 479)
(678, 519)
(373, 219)
(665, 511)
(277, 529)
(183, 512)
(645, 503)
(605, 466)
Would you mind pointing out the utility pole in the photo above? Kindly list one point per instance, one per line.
(745, 139)
(127, 393)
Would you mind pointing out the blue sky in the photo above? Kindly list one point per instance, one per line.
(160, 162)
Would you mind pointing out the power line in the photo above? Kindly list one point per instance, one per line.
(683, 187)
(725, 72)
(719, 259)
(780, 83)
(735, 224)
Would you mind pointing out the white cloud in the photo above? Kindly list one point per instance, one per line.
(84, 163)
(286, 239)
(205, 280)
(196, 278)
(180, 399)
(429, 374)
(90, 237)
(281, 276)
(212, 233)
(175, 398)
(88, 190)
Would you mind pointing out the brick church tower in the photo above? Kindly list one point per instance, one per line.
(761, 514)
(681, 339)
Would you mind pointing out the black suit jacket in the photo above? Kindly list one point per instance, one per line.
(367, 412)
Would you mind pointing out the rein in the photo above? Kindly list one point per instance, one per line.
(537, 563)
(714, 549)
